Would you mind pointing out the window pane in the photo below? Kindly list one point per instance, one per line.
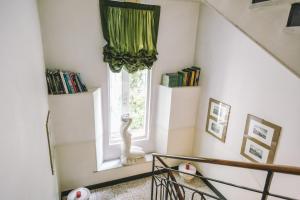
(115, 104)
(138, 101)
(128, 94)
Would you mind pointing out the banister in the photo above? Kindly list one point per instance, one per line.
(173, 179)
(285, 169)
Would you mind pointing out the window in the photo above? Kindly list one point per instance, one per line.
(259, 1)
(294, 17)
(129, 93)
(133, 48)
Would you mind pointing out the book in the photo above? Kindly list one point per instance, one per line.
(64, 82)
(72, 77)
(180, 79)
(49, 82)
(59, 82)
(70, 82)
(170, 79)
(82, 84)
(190, 76)
(187, 76)
(197, 78)
(67, 82)
(78, 83)
(53, 80)
(192, 80)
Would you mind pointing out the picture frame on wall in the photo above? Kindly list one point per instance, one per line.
(217, 119)
(260, 140)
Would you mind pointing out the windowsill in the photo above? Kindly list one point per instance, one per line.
(135, 139)
(116, 163)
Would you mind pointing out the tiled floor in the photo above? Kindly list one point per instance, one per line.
(141, 190)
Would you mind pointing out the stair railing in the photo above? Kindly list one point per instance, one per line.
(165, 186)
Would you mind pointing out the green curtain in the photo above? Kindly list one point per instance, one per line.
(130, 31)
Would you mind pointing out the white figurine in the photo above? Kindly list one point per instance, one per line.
(129, 153)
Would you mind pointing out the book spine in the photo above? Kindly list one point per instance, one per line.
(180, 79)
(181, 76)
(198, 71)
(78, 83)
(60, 83)
(185, 78)
(52, 78)
(81, 82)
(197, 74)
(70, 82)
(192, 78)
(165, 80)
(189, 78)
(73, 82)
(173, 79)
(67, 82)
(48, 82)
(197, 78)
(64, 82)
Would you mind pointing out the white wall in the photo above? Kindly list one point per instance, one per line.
(72, 39)
(267, 26)
(237, 71)
(25, 167)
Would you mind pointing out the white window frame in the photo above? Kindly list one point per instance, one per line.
(111, 148)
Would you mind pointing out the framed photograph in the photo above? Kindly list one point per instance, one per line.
(215, 128)
(255, 152)
(219, 111)
(217, 119)
(260, 140)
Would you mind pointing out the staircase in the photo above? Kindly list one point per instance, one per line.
(266, 23)
(165, 186)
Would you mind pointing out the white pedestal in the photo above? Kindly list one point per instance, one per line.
(73, 116)
(77, 121)
(177, 110)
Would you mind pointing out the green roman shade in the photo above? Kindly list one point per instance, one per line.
(130, 30)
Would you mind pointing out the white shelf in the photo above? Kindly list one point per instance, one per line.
(90, 91)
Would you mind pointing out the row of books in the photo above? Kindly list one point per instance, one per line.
(186, 77)
(63, 82)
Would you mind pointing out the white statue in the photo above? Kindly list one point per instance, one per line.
(129, 153)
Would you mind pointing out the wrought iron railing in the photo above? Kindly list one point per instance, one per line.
(166, 187)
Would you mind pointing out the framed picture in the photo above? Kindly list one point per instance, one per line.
(217, 119)
(260, 140)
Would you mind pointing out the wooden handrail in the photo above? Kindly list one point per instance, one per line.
(285, 169)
